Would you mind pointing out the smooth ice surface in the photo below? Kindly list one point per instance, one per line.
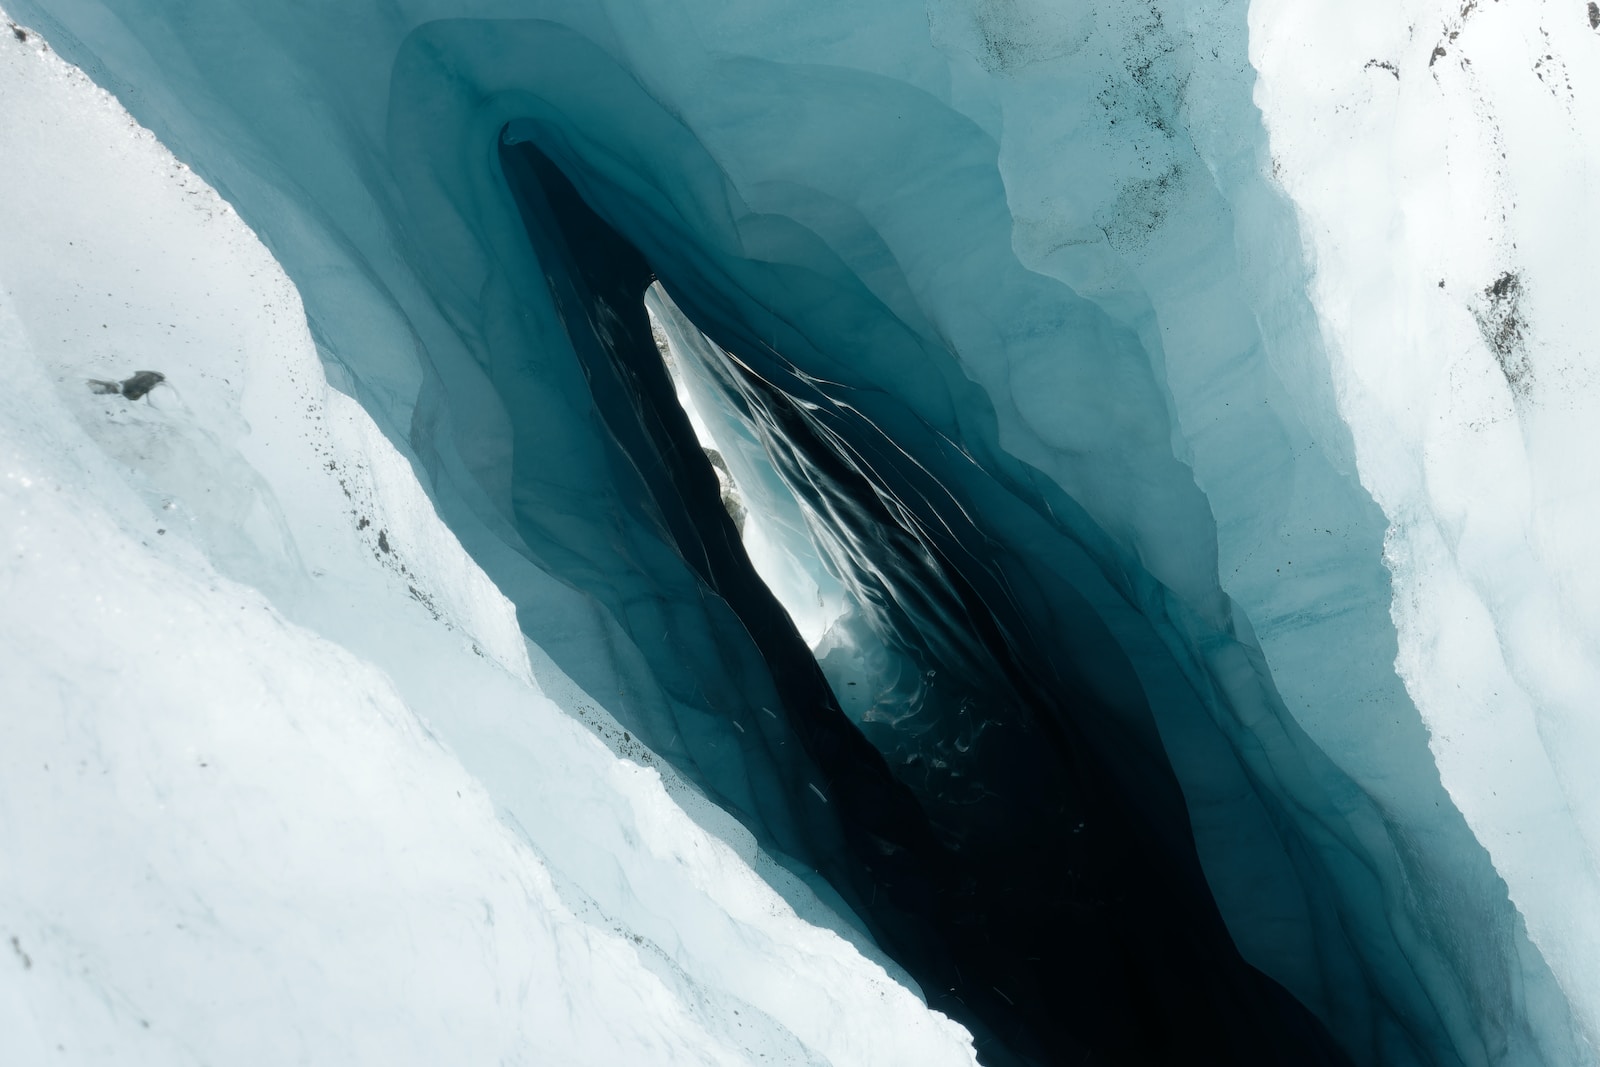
(1092, 362)
(277, 783)
(776, 535)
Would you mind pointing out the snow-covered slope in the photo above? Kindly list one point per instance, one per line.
(277, 783)
(1444, 161)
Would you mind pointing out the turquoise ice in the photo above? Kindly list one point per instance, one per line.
(1004, 326)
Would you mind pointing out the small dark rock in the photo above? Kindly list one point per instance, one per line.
(22, 35)
(1594, 15)
(141, 383)
(383, 540)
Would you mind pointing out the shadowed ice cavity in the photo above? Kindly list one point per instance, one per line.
(949, 873)
(1014, 325)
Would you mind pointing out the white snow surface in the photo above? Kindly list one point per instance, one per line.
(277, 783)
(1444, 160)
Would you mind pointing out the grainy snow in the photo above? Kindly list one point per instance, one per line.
(1444, 159)
(277, 783)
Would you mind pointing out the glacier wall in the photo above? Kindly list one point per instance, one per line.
(1010, 300)
(1453, 284)
(958, 901)
(278, 783)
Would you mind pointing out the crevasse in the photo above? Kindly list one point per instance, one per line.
(1004, 313)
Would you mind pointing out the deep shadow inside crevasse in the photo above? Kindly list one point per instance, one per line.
(1037, 894)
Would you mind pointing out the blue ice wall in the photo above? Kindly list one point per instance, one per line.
(1004, 288)
(944, 863)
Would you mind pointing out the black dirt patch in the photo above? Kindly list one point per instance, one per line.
(131, 388)
(1141, 208)
(1504, 326)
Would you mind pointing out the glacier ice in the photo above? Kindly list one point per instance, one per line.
(278, 784)
(1142, 541)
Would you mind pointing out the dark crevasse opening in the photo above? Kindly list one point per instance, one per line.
(1021, 333)
(1016, 842)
